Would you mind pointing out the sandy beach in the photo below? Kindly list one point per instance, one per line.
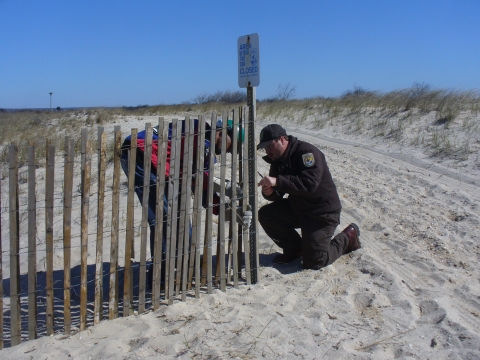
(411, 292)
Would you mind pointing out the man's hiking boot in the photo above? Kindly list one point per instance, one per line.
(286, 258)
(353, 232)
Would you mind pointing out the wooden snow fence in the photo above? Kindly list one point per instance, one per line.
(75, 238)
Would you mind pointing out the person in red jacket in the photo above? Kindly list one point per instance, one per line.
(140, 171)
(300, 170)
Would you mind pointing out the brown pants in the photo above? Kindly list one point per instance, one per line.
(316, 244)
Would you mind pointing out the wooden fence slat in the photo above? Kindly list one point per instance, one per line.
(182, 221)
(207, 249)
(220, 271)
(197, 209)
(86, 175)
(173, 193)
(102, 158)
(15, 321)
(240, 200)
(32, 246)
(233, 203)
(113, 278)
(188, 180)
(147, 161)
(49, 203)
(67, 230)
(162, 145)
(169, 208)
(129, 235)
(246, 169)
(1, 272)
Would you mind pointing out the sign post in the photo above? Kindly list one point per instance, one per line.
(248, 50)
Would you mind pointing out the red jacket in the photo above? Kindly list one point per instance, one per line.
(154, 157)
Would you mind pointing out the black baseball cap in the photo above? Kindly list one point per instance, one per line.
(269, 133)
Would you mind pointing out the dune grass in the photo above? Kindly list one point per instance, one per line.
(444, 122)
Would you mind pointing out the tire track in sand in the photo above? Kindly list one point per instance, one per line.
(427, 170)
(420, 277)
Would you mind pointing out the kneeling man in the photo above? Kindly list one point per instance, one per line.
(300, 170)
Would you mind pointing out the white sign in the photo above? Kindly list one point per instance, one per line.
(248, 49)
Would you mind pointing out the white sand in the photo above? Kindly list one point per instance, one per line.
(411, 292)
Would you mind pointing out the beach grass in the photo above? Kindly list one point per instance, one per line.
(443, 122)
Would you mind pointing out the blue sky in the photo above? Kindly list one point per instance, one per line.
(128, 53)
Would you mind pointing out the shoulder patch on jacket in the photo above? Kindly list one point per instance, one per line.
(308, 159)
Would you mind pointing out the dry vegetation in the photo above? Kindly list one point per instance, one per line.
(443, 122)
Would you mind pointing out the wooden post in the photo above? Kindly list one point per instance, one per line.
(85, 186)
(207, 249)
(147, 161)
(246, 228)
(233, 201)
(15, 321)
(188, 180)
(157, 256)
(32, 246)
(102, 158)
(67, 230)
(127, 271)
(173, 190)
(197, 206)
(49, 201)
(113, 278)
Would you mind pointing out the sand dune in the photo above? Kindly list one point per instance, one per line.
(411, 292)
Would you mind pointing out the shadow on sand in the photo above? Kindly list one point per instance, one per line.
(58, 277)
(266, 260)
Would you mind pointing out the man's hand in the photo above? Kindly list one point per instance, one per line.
(268, 191)
(267, 183)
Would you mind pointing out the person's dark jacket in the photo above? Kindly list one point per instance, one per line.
(303, 174)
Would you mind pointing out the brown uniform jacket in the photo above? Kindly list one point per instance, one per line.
(303, 174)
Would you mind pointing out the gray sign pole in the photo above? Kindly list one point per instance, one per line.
(252, 183)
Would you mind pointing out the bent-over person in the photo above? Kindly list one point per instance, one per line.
(140, 172)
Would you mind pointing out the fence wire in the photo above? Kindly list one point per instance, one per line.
(58, 290)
